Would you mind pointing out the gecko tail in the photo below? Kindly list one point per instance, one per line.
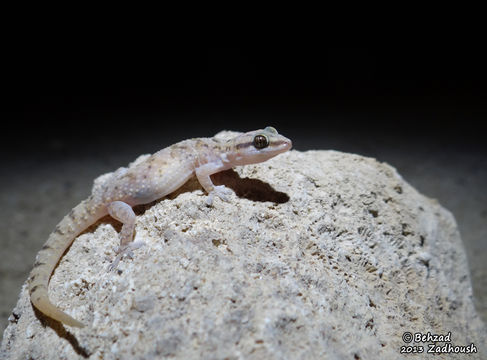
(82, 216)
(41, 301)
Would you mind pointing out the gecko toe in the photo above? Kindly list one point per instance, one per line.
(222, 192)
(125, 250)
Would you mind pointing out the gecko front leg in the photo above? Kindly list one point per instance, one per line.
(123, 212)
(203, 173)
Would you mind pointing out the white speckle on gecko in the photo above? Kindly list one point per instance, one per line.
(149, 179)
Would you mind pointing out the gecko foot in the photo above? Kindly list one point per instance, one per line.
(221, 191)
(125, 250)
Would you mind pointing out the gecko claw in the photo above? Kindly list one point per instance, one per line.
(114, 263)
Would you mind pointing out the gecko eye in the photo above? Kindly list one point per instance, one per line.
(261, 141)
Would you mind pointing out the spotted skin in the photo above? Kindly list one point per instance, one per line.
(153, 178)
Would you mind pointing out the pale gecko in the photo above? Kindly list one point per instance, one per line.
(153, 178)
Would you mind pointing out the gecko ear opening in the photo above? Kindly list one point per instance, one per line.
(271, 129)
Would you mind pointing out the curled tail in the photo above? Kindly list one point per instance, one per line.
(82, 216)
(40, 299)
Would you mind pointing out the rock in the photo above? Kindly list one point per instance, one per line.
(320, 255)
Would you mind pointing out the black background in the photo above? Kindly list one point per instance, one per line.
(61, 102)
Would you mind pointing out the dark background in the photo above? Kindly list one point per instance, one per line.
(78, 97)
(70, 114)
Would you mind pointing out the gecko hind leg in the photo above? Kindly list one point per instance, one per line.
(123, 212)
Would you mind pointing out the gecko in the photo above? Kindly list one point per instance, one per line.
(153, 178)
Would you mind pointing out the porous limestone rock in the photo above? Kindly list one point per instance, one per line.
(319, 255)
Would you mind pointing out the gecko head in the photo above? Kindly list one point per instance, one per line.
(257, 146)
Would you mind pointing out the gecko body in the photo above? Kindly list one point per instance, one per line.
(152, 178)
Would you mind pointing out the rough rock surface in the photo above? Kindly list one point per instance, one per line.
(319, 255)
